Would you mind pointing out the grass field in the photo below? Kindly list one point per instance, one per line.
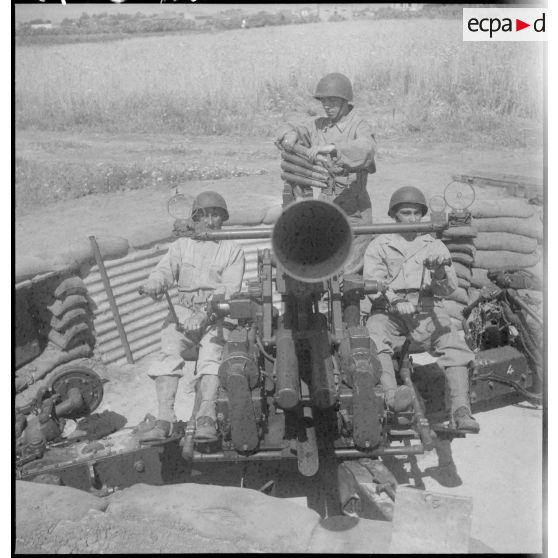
(410, 77)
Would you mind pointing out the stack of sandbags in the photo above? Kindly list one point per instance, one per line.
(460, 243)
(509, 237)
(65, 312)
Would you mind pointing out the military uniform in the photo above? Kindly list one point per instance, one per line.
(399, 263)
(200, 269)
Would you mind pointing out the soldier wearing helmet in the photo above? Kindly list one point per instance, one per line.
(344, 138)
(200, 269)
(398, 261)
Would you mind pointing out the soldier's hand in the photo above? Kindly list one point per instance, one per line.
(194, 322)
(436, 262)
(289, 140)
(317, 153)
(405, 308)
(153, 289)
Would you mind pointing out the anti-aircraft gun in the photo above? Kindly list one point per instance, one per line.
(298, 385)
(313, 363)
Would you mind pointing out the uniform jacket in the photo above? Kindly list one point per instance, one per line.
(399, 263)
(355, 145)
(207, 266)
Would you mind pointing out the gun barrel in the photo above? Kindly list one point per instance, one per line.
(312, 240)
(286, 370)
(255, 233)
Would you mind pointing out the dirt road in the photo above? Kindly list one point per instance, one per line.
(501, 468)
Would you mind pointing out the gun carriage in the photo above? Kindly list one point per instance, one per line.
(298, 386)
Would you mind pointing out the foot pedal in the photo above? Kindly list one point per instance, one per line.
(187, 442)
(307, 449)
(244, 429)
(366, 424)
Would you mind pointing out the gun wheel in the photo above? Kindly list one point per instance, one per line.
(86, 380)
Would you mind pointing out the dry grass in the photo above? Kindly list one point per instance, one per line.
(414, 76)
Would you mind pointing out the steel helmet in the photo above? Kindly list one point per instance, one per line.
(407, 194)
(208, 199)
(334, 85)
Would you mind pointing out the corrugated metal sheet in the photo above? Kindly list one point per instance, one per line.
(141, 317)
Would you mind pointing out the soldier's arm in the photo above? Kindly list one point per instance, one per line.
(233, 274)
(166, 271)
(444, 279)
(296, 133)
(375, 269)
(358, 154)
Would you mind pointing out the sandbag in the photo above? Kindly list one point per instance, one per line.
(462, 271)
(27, 267)
(474, 294)
(503, 259)
(536, 270)
(463, 283)
(531, 227)
(461, 248)
(479, 278)
(70, 286)
(221, 512)
(37, 502)
(69, 318)
(272, 214)
(464, 231)
(460, 295)
(512, 207)
(50, 358)
(80, 252)
(461, 241)
(148, 236)
(461, 257)
(74, 335)
(505, 241)
(453, 308)
(247, 217)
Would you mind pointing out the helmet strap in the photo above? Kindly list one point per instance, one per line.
(340, 112)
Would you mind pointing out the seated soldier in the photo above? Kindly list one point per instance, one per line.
(201, 269)
(397, 260)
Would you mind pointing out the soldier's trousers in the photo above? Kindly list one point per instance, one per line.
(173, 358)
(431, 330)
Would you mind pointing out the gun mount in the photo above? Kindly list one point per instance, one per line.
(300, 384)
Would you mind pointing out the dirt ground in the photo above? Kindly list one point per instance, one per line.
(501, 468)
(399, 163)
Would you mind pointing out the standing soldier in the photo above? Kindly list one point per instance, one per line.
(201, 269)
(398, 261)
(348, 139)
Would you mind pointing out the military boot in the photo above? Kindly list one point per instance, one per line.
(397, 398)
(464, 421)
(165, 387)
(208, 386)
(457, 379)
